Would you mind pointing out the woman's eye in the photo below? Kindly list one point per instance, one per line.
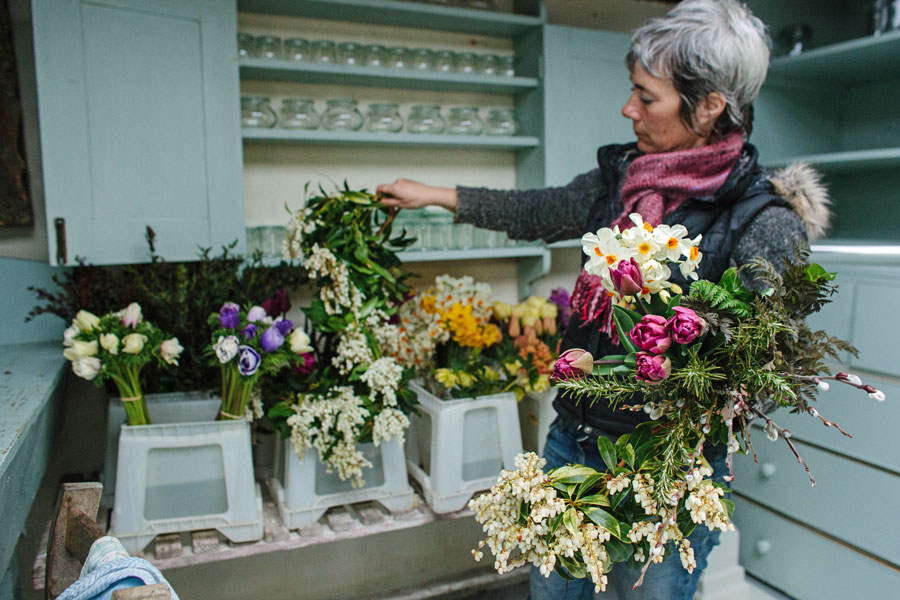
(646, 100)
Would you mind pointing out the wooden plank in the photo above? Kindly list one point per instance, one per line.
(63, 567)
(155, 591)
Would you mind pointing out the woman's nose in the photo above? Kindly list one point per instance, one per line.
(629, 111)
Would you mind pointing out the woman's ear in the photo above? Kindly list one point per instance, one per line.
(709, 109)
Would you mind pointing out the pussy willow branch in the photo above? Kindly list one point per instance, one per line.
(825, 421)
(786, 434)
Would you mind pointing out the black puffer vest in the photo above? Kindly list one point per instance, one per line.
(721, 219)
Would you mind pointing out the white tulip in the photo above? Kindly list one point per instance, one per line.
(300, 342)
(87, 368)
(170, 350)
(131, 315)
(69, 335)
(81, 350)
(134, 343)
(86, 321)
(110, 343)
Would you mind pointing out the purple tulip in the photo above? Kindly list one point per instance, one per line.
(686, 325)
(278, 303)
(573, 364)
(651, 334)
(652, 368)
(627, 278)
(303, 364)
(271, 339)
(229, 315)
(284, 326)
(249, 331)
(248, 361)
(256, 313)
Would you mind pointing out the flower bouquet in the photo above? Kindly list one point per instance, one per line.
(356, 392)
(448, 336)
(116, 347)
(701, 366)
(247, 345)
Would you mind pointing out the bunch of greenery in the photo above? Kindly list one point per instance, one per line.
(176, 296)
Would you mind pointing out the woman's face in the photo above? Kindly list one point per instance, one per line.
(654, 111)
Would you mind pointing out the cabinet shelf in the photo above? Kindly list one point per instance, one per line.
(410, 256)
(861, 60)
(366, 138)
(403, 14)
(260, 69)
(838, 162)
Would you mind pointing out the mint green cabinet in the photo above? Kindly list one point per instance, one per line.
(138, 111)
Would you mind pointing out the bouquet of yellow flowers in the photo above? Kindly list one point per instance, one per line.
(446, 334)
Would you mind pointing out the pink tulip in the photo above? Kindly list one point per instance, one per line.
(652, 368)
(627, 278)
(686, 326)
(573, 364)
(651, 335)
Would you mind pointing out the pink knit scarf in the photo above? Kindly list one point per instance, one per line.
(654, 186)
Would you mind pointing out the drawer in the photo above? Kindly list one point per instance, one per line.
(872, 424)
(851, 501)
(806, 565)
(875, 328)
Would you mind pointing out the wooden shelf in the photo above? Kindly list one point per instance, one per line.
(365, 138)
(402, 14)
(856, 61)
(853, 160)
(261, 69)
(472, 253)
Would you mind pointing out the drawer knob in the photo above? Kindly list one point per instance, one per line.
(763, 546)
(768, 470)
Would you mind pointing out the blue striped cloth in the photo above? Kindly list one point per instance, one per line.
(108, 571)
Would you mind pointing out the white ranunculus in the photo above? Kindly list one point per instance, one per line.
(256, 313)
(80, 350)
(226, 348)
(110, 342)
(170, 350)
(133, 343)
(300, 342)
(131, 315)
(69, 335)
(87, 368)
(86, 321)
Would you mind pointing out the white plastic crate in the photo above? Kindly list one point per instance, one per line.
(304, 490)
(536, 412)
(458, 447)
(175, 407)
(185, 476)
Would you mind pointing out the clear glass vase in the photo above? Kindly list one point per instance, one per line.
(501, 121)
(341, 114)
(257, 112)
(298, 113)
(425, 118)
(464, 120)
(383, 117)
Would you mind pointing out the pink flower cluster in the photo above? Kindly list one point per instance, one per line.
(655, 334)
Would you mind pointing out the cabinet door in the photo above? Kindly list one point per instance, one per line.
(586, 85)
(138, 102)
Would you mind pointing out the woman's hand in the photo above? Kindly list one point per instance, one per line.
(406, 193)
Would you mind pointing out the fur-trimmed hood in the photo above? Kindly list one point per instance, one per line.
(801, 186)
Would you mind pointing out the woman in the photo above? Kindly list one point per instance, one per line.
(695, 74)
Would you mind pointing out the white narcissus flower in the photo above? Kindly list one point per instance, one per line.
(86, 321)
(604, 250)
(672, 242)
(226, 348)
(170, 350)
(80, 350)
(300, 342)
(133, 343)
(87, 368)
(69, 335)
(110, 342)
(131, 315)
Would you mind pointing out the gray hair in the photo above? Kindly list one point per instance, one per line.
(705, 46)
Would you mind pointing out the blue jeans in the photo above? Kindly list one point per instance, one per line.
(664, 581)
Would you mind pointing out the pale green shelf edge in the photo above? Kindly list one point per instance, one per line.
(411, 256)
(277, 136)
(401, 14)
(260, 69)
(863, 59)
(836, 162)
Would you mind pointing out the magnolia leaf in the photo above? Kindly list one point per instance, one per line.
(564, 488)
(570, 520)
(605, 520)
(641, 453)
(619, 498)
(594, 500)
(607, 452)
(554, 523)
(575, 568)
(589, 482)
(618, 551)
(620, 443)
(357, 197)
(628, 454)
(570, 474)
(728, 504)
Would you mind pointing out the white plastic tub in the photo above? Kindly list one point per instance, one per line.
(304, 490)
(458, 447)
(536, 412)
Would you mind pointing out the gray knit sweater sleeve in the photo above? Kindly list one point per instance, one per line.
(771, 235)
(550, 214)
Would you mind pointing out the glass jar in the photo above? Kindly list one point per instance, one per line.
(297, 49)
(349, 53)
(507, 66)
(257, 112)
(444, 61)
(246, 45)
(375, 55)
(298, 113)
(422, 59)
(488, 64)
(383, 117)
(399, 58)
(464, 120)
(466, 62)
(268, 46)
(501, 121)
(323, 51)
(341, 114)
(425, 118)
